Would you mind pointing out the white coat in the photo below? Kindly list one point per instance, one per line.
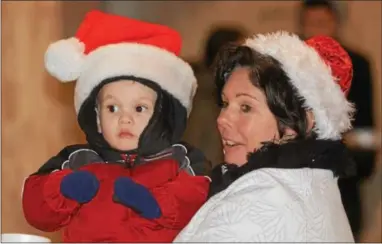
(273, 205)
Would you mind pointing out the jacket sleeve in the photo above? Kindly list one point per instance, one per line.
(44, 207)
(180, 199)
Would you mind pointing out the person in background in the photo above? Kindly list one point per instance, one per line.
(320, 17)
(201, 130)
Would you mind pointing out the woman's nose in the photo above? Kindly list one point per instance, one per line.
(224, 119)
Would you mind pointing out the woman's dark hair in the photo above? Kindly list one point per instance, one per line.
(265, 73)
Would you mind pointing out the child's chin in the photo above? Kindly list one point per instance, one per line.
(125, 147)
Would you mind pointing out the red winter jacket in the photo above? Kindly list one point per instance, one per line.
(178, 194)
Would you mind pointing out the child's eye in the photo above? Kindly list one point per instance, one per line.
(245, 108)
(141, 108)
(113, 108)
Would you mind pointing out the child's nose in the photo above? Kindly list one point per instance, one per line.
(126, 118)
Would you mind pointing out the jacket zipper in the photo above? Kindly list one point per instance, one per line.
(129, 159)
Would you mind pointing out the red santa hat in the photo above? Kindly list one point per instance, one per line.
(320, 70)
(107, 46)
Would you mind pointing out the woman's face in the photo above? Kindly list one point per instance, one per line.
(245, 120)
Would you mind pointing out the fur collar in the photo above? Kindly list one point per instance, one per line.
(308, 153)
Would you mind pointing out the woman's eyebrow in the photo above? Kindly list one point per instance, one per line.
(246, 95)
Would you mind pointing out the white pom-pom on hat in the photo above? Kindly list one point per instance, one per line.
(64, 59)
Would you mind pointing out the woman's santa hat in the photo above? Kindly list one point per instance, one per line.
(320, 70)
(107, 46)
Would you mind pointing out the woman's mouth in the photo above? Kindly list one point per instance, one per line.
(230, 143)
(230, 147)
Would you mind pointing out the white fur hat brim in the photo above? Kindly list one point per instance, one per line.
(166, 69)
(313, 80)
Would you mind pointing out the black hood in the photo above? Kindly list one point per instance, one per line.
(165, 127)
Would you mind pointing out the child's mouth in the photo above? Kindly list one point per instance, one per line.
(125, 134)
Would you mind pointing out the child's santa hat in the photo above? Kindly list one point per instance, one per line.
(108, 46)
(320, 70)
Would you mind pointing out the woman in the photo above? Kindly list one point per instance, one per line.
(283, 113)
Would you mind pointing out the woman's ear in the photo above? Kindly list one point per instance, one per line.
(310, 120)
(288, 135)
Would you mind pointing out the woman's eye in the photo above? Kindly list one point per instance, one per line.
(223, 104)
(245, 108)
(112, 108)
(140, 109)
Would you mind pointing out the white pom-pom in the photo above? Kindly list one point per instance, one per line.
(64, 59)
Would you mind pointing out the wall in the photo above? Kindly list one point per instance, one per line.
(193, 19)
(38, 116)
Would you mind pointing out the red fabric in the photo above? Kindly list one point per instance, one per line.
(103, 220)
(44, 206)
(336, 57)
(99, 29)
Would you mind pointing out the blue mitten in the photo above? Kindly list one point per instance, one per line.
(137, 197)
(80, 186)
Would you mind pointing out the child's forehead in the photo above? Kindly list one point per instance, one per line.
(119, 89)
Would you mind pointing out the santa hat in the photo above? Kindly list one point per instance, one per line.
(320, 70)
(107, 46)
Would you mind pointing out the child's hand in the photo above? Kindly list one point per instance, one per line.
(80, 186)
(137, 197)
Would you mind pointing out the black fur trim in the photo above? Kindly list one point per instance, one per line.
(295, 154)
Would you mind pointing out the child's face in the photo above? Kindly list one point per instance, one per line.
(124, 110)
